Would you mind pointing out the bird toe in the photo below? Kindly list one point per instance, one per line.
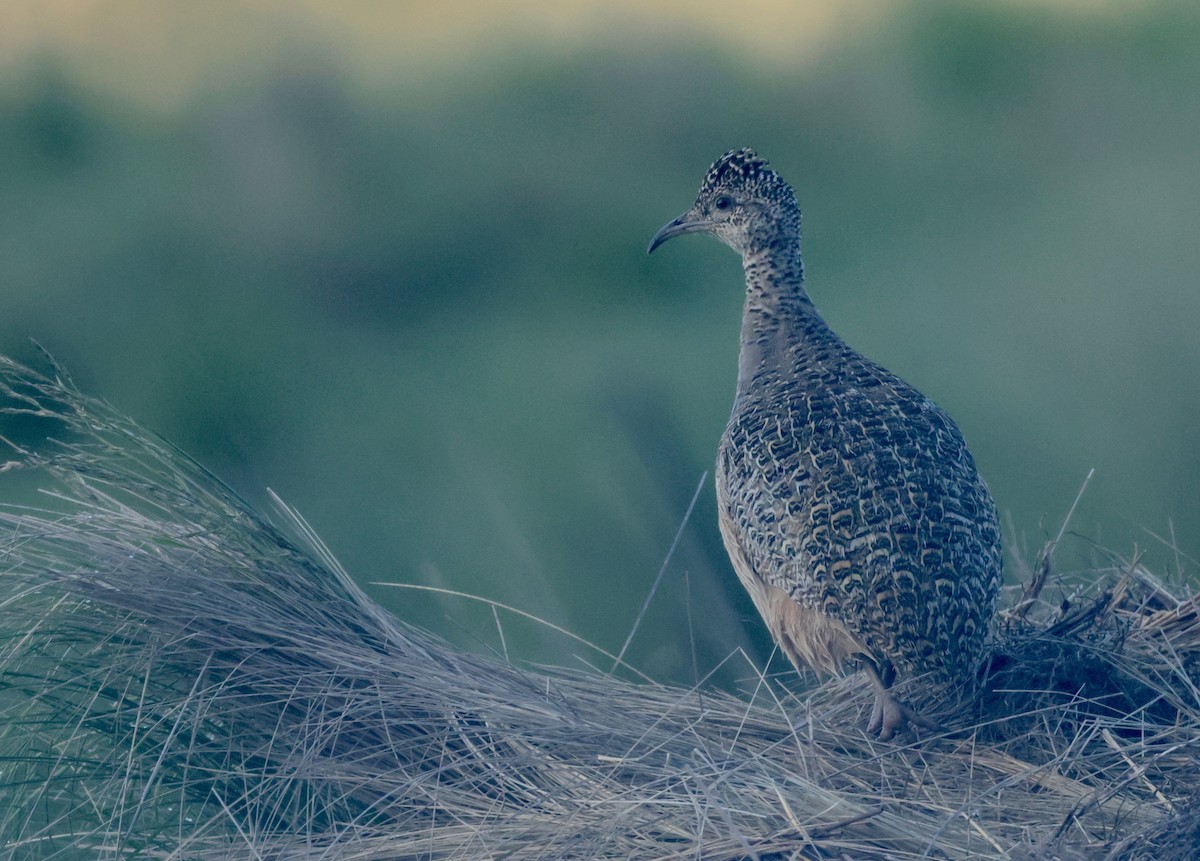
(889, 716)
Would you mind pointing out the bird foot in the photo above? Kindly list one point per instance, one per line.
(890, 715)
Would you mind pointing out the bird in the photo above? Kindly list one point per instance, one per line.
(849, 504)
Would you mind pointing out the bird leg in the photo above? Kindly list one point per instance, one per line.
(889, 714)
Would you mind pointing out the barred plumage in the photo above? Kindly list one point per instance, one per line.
(849, 503)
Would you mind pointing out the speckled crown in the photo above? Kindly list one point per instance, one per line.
(743, 170)
(744, 163)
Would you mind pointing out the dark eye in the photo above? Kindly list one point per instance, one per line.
(723, 202)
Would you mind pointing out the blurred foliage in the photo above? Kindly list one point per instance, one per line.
(422, 312)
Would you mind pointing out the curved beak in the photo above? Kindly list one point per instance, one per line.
(686, 223)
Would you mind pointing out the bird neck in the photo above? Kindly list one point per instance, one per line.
(777, 312)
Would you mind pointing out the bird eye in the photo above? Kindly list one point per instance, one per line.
(723, 202)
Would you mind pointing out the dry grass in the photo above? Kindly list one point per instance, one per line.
(180, 678)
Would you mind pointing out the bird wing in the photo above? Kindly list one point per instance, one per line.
(863, 502)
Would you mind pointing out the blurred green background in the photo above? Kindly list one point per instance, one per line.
(389, 260)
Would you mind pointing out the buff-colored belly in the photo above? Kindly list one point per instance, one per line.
(807, 636)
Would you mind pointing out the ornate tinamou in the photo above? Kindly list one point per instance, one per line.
(848, 501)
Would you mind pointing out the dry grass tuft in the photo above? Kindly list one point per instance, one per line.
(181, 678)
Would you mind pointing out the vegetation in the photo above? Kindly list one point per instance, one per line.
(182, 678)
(417, 305)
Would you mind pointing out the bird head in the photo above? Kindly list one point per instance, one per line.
(743, 203)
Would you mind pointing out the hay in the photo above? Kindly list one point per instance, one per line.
(182, 678)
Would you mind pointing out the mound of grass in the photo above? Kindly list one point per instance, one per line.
(182, 677)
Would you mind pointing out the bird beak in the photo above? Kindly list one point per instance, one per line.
(686, 223)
